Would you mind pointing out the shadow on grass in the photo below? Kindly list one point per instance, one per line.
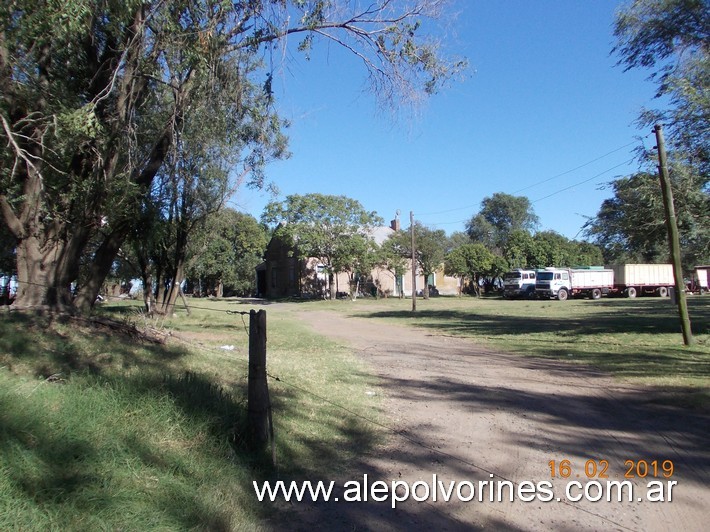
(583, 336)
(141, 416)
(130, 452)
(42, 345)
(609, 317)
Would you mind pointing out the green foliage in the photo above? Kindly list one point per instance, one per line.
(456, 239)
(651, 31)
(357, 255)
(333, 229)
(106, 103)
(226, 249)
(471, 261)
(500, 215)
(630, 226)
(670, 37)
(430, 246)
(392, 257)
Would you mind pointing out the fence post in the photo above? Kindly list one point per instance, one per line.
(258, 392)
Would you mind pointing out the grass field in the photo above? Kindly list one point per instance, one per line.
(638, 340)
(100, 430)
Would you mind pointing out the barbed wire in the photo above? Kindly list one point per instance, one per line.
(398, 433)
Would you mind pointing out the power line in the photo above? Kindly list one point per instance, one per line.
(539, 182)
(551, 194)
(575, 169)
(585, 181)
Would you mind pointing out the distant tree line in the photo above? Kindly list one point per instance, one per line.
(128, 125)
(124, 124)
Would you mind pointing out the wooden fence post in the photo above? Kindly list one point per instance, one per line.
(258, 403)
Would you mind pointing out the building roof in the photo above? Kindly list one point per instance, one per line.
(380, 234)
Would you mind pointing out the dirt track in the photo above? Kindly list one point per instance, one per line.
(465, 413)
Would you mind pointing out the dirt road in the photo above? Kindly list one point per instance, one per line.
(464, 413)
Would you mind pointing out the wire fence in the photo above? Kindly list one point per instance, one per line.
(226, 352)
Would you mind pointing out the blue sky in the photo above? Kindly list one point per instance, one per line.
(543, 112)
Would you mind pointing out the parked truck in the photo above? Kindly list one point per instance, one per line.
(628, 280)
(519, 283)
(561, 283)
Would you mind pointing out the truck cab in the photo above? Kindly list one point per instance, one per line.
(519, 283)
(553, 282)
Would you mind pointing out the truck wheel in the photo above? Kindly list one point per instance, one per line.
(562, 295)
(595, 294)
(663, 291)
(631, 292)
(530, 293)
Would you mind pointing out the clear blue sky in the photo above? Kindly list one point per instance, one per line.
(542, 98)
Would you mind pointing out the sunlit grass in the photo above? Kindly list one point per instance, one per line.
(103, 431)
(637, 340)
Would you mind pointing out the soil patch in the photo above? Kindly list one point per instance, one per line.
(466, 414)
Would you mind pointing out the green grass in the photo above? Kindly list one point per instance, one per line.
(638, 340)
(101, 431)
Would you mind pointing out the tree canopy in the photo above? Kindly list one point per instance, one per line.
(470, 262)
(97, 99)
(331, 228)
(224, 253)
(430, 249)
(671, 38)
(630, 226)
(500, 215)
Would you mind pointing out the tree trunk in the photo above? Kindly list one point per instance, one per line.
(331, 285)
(184, 302)
(172, 292)
(39, 285)
(100, 268)
(148, 300)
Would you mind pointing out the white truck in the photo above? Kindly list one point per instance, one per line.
(562, 283)
(629, 280)
(702, 273)
(639, 279)
(519, 283)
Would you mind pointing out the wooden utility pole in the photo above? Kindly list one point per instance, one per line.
(258, 403)
(673, 239)
(414, 263)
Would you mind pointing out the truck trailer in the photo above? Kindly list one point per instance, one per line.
(628, 280)
(631, 280)
(702, 273)
(519, 283)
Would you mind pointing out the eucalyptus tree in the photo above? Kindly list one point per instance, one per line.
(671, 39)
(630, 227)
(325, 227)
(94, 96)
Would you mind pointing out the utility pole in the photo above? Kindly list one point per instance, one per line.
(414, 263)
(673, 240)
